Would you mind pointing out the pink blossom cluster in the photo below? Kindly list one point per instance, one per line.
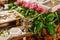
(58, 9)
(31, 5)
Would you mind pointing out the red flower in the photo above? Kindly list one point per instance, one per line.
(24, 4)
(58, 9)
(38, 9)
(35, 6)
(28, 5)
(31, 6)
(19, 1)
(43, 10)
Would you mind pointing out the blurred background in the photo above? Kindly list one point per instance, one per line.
(7, 1)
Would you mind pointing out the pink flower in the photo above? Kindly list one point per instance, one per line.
(30, 5)
(24, 4)
(58, 9)
(19, 1)
(43, 10)
(35, 6)
(38, 9)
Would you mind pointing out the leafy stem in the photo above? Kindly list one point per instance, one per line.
(57, 16)
(54, 21)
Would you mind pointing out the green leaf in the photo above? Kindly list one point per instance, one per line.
(35, 32)
(12, 6)
(51, 29)
(24, 8)
(44, 15)
(58, 16)
(27, 13)
(9, 6)
(31, 30)
(40, 26)
(33, 14)
(36, 22)
(36, 13)
(50, 17)
(22, 12)
(31, 10)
